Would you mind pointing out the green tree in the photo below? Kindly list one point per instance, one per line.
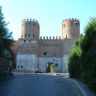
(82, 61)
(6, 53)
(88, 56)
(74, 59)
(5, 36)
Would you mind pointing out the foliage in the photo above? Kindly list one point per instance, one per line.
(83, 57)
(74, 59)
(48, 69)
(6, 42)
(5, 36)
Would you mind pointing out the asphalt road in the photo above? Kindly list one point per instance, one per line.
(38, 85)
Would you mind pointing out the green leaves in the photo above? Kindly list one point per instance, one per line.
(5, 36)
(74, 60)
(85, 50)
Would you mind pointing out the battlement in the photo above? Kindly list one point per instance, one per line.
(50, 38)
(72, 20)
(29, 20)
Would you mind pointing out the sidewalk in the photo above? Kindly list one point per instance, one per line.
(82, 88)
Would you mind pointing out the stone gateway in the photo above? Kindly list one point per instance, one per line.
(34, 52)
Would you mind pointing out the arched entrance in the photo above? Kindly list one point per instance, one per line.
(50, 67)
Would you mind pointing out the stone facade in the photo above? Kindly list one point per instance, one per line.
(35, 52)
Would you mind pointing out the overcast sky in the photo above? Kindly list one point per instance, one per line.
(49, 14)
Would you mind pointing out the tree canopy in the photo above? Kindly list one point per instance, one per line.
(83, 56)
(5, 36)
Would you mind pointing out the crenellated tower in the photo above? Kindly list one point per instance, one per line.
(37, 53)
(70, 28)
(30, 29)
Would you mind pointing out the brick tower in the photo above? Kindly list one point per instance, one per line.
(30, 29)
(70, 28)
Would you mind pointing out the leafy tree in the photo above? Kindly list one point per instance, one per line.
(82, 61)
(74, 59)
(6, 42)
(88, 56)
(5, 36)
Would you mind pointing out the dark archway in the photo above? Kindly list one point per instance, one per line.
(50, 67)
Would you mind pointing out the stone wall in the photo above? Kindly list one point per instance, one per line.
(65, 63)
(5, 67)
(50, 48)
(26, 62)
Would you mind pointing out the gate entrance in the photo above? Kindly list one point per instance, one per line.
(50, 68)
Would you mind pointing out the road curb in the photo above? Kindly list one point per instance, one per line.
(81, 89)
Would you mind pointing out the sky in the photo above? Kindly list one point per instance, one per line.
(49, 13)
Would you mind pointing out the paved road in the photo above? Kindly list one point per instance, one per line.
(38, 85)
